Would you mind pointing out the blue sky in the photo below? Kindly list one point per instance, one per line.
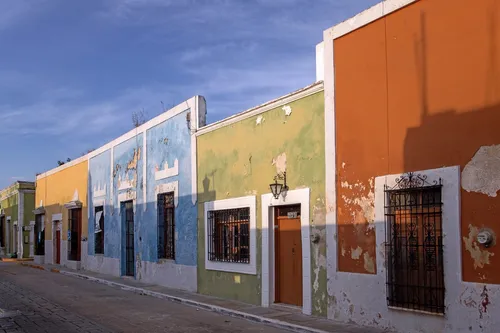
(72, 72)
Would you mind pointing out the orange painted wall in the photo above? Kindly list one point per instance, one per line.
(418, 89)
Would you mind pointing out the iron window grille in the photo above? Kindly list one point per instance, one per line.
(99, 230)
(128, 206)
(414, 244)
(39, 233)
(74, 234)
(229, 235)
(166, 226)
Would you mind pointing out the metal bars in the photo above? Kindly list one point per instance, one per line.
(129, 239)
(414, 244)
(166, 226)
(229, 235)
(39, 233)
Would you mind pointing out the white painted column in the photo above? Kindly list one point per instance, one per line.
(20, 220)
(32, 239)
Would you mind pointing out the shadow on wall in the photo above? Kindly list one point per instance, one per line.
(145, 232)
(50, 234)
(456, 137)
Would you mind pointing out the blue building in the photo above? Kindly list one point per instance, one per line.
(142, 200)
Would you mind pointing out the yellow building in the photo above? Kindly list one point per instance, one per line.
(61, 201)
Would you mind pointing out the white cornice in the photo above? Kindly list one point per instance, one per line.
(275, 103)
(372, 14)
(192, 103)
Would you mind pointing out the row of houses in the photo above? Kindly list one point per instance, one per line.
(369, 196)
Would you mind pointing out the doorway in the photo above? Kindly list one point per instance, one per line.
(288, 255)
(58, 245)
(129, 239)
(74, 234)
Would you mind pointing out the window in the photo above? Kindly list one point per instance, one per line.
(74, 227)
(2, 226)
(414, 244)
(166, 226)
(39, 235)
(99, 230)
(229, 235)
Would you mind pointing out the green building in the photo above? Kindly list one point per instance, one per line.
(17, 203)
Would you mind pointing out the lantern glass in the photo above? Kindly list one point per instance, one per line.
(276, 189)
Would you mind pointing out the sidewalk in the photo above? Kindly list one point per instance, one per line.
(278, 316)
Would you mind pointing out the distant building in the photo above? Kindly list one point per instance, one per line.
(17, 220)
(61, 214)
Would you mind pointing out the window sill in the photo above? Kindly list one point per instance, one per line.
(395, 308)
(166, 261)
(237, 268)
(98, 254)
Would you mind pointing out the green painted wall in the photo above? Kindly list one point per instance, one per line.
(237, 160)
(10, 207)
(29, 206)
(9, 199)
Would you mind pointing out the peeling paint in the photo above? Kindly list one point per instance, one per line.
(259, 120)
(356, 253)
(132, 165)
(369, 263)
(287, 109)
(479, 256)
(280, 163)
(482, 173)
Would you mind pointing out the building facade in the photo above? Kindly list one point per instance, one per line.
(16, 219)
(142, 200)
(61, 215)
(253, 246)
(412, 90)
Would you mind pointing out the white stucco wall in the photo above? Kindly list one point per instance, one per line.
(361, 298)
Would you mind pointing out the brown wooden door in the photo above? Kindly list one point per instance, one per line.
(288, 255)
(58, 247)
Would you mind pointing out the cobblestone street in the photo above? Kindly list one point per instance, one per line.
(37, 301)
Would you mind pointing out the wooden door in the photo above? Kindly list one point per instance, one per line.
(288, 255)
(58, 246)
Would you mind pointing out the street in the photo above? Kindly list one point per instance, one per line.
(32, 300)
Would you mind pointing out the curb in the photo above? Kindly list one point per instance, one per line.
(180, 300)
(209, 307)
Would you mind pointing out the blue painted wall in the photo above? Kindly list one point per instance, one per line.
(165, 142)
(99, 175)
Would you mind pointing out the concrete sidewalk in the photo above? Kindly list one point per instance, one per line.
(278, 316)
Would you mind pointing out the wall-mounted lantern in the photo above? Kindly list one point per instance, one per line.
(278, 188)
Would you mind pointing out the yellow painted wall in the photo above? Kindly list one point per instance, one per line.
(57, 189)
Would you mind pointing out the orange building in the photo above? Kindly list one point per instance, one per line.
(412, 111)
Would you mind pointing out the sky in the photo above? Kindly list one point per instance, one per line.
(73, 72)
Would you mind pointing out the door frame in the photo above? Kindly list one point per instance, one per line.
(268, 203)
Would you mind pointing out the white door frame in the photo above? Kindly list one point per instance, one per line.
(268, 203)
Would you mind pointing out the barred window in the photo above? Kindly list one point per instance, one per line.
(229, 235)
(414, 244)
(39, 233)
(166, 226)
(99, 230)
